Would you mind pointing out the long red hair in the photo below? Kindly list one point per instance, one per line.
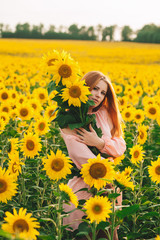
(110, 101)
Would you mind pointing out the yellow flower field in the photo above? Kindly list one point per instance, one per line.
(34, 162)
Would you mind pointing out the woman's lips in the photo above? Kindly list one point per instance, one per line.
(95, 100)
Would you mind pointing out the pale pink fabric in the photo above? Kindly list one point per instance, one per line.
(80, 153)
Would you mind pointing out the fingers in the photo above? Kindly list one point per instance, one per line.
(91, 128)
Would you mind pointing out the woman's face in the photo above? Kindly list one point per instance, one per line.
(99, 93)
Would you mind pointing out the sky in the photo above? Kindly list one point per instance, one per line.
(135, 13)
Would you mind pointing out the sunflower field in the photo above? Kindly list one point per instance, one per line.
(34, 163)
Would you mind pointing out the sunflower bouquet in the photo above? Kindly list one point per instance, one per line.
(71, 93)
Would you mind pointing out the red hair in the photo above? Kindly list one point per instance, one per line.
(110, 101)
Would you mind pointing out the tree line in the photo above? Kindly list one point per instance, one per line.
(147, 34)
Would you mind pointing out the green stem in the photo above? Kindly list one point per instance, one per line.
(94, 231)
(113, 219)
(59, 219)
(80, 112)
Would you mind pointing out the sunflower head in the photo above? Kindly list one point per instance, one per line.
(98, 209)
(21, 224)
(154, 171)
(96, 171)
(57, 165)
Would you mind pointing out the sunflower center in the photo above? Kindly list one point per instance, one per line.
(3, 186)
(75, 92)
(41, 126)
(13, 95)
(136, 154)
(141, 135)
(41, 96)
(98, 170)
(152, 111)
(157, 170)
(122, 102)
(34, 105)
(65, 71)
(57, 164)
(127, 115)
(30, 145)
(51, 61)
(20, 225)
(50, 113)
(14, 168)
(4, 95)
(138, 116)
(23, 112)
(5, 109)
(97, 209)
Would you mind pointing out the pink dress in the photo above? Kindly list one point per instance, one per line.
(80, 153)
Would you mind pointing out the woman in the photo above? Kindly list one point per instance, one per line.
(77, 140)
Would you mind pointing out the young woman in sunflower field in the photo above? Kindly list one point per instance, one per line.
(77, 141)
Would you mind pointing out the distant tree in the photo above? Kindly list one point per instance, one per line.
(108, 32)
(1, 29)
(126, 33)
(22, 30)
(73, 29)
(52, 28)
(149, 33)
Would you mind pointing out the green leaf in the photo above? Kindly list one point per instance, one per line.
(84, 227)
(75, 125)
(127, 211)
(102, 225)
(113, 195)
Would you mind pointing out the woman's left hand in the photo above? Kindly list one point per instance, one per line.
(89, 138)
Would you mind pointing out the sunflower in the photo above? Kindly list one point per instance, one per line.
(4, 95)
(96, 171)
(14, 165)
(157, 237)
(8, 187)
(51, 96)
(118, 89)
(98, 208)
(139, 91)
(124, 180)
(48, 60)
(2, 125)
(30, 145)
(57, 165)
(127, 171)
(25, 111)
(137, 154)
(142, 134)
(154, 171)
(118, 160)
(51, 112)
(152, 110)
(66, 69)
(5, 107)
(138, 116)
(72, 197)
(36, 105)
(76, 93)
(127, 114)
(21, 224)
(41, 94)
(5, 117)
(122, 101)
(42, 126)
(14, 142)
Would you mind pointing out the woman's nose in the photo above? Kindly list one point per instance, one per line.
(98, 94)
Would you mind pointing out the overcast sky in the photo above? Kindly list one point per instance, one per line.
(135, 13)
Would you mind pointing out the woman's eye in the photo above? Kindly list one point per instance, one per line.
(103, 93)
